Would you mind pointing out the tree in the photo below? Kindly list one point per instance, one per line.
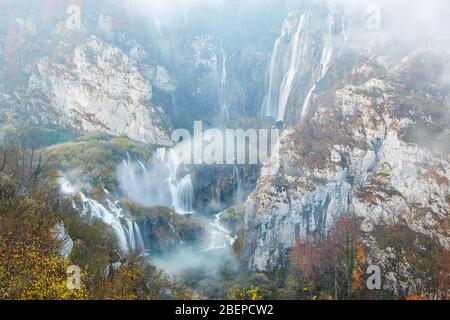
(330, 268)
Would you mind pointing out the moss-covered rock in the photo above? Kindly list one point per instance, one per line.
(95, 156)
(233, 220)
(163, 229)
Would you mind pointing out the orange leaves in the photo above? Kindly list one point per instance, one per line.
(443, 273)
(334, 266)
(416, 298)
(360, 263)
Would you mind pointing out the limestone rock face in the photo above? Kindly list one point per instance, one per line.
(378, 149)
(99, 88)
(61, 235)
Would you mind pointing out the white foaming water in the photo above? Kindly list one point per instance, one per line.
(288, 81)
(143, 185)
(129, 237)
(174, 231)
(296, 62)
(284, 66)
(159, 183)
(270, 106)
(237, 185)
(185, 196)
(325, 64)
(220, 237)
(223, 98)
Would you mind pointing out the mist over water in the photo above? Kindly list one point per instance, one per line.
(209, 256)
(145, 183)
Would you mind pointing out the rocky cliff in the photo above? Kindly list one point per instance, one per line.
(377, 147)
(99, 88)
(80, 81)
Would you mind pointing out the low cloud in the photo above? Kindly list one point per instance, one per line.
(406, 20)
(165, 11)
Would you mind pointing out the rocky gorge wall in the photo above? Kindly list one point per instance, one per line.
(356, 154)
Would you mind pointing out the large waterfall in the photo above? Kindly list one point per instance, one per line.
(145, 183)
(288, 80)
(284, 65)
(184, 196)
(127, 232)
(295, 62)
(325, 63)
(159, 182)
(223, 92)
(237, 179)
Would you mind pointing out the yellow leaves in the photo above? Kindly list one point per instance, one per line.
(121, 284)
(250, 294)
(29, 271)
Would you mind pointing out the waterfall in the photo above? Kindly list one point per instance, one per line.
(270, 107)
(223, 98)
(144, 184)
(325, 64)
(220, 237)
(237, 185)
(140, 245)
(292, 62)
(185, 196)
(288, 81)
(129, 237)
(284, 66)
(344, 30)
(174, 231)
(157, 182)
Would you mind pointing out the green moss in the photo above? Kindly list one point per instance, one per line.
(96, 158)
(351, 180)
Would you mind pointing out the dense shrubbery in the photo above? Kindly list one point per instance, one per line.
(31, 266)
(414, 266)
(95, 156)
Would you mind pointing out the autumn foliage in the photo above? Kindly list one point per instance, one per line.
(32, 266)
(330, 268)
(414, 266)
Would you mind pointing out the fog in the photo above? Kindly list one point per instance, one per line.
(406, 20)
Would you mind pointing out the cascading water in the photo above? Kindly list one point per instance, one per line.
(129, 237)
(288, 81)
(185, 196)
(158, 184)
(285, 65)
(220, 238)
(223, 98)
(237, 185)
(270, 106)
(146, 186)
(294, 59)
(325, 64)
(174, 231)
